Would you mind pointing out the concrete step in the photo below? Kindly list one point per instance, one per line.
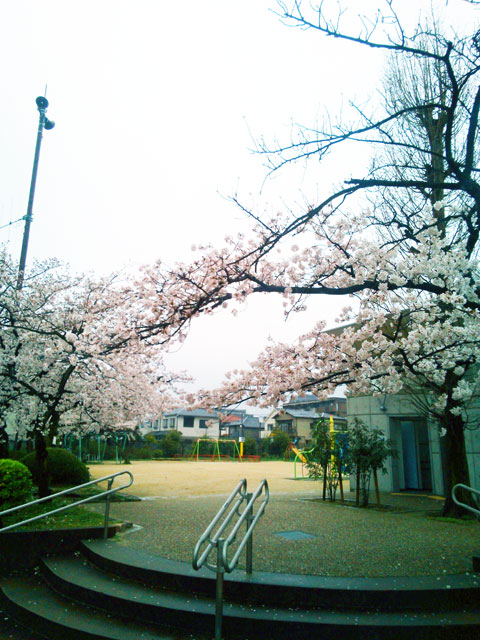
(424, 593)
(79, 581)
(36, 606)
(111, 592)
(75, 578)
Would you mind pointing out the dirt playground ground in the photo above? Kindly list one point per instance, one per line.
(181, 479)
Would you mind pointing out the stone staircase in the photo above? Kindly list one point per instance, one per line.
(106, 591)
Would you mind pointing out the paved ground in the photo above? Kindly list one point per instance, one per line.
(180, 498)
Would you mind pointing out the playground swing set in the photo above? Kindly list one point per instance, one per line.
(236, 451)
(216, 455)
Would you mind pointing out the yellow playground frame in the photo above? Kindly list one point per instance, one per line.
(301, 454)
(216, 448)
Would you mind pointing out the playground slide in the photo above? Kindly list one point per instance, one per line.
(299, 454)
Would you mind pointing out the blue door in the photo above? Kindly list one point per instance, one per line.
(410, 458)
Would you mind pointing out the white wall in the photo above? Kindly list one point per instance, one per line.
(196, 431)
(380, 413)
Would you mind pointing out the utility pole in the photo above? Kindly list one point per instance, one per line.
(43, 123)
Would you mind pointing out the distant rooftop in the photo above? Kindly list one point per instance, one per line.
(310, 397)
(307, 413)
(200, 413)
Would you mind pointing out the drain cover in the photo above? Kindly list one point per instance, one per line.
(294, 535)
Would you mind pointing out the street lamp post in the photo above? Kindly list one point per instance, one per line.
(43, 123)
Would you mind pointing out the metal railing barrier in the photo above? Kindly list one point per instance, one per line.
(462, 504)
(107, 493)
(212, 538)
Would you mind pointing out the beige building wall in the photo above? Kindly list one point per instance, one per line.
(390, 414)
(387, 413)
(268, 424)
(304, 429)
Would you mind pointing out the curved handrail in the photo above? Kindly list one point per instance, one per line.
(106, 493)
(198, 562)
(211, 541)
(462, 504)
(230, 566)
(215, 541)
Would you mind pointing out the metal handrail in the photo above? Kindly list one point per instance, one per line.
(240, 491)
(462, 504)
(237, 498)
(108, 492)
(251, 524)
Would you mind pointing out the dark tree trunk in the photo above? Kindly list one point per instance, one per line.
(377, 492)
(3, 441)
(456, 465)
(340, 480)
(41, 457)
(357, 492)
(365, 486)
(53, 426)
(324, 467)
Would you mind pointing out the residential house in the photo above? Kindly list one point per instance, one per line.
(335, 405)
(299, 415)
(268, 424)
(239, 424)
(191, 423)
(298, 423)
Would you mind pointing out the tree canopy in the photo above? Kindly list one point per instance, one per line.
(70, 357)
(406, 252)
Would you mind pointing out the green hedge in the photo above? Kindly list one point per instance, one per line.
(63, 467)
(15, 484)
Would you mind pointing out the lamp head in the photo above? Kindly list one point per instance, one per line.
(49, 124)
(42, 103)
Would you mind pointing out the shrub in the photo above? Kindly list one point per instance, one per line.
(326, 458)
(228, 448)
(140, 453)
(15, 484)
(249, 447)
(187, 447)
(171, 443)
(278, 443)
(62, 467)
(110, 453)
(265, 446)
(368, 452)
(17, 454)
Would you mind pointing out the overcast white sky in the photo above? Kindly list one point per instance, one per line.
(156, 105)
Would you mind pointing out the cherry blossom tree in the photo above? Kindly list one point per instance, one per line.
(415, 327)
(407, 251)
(70, 356)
